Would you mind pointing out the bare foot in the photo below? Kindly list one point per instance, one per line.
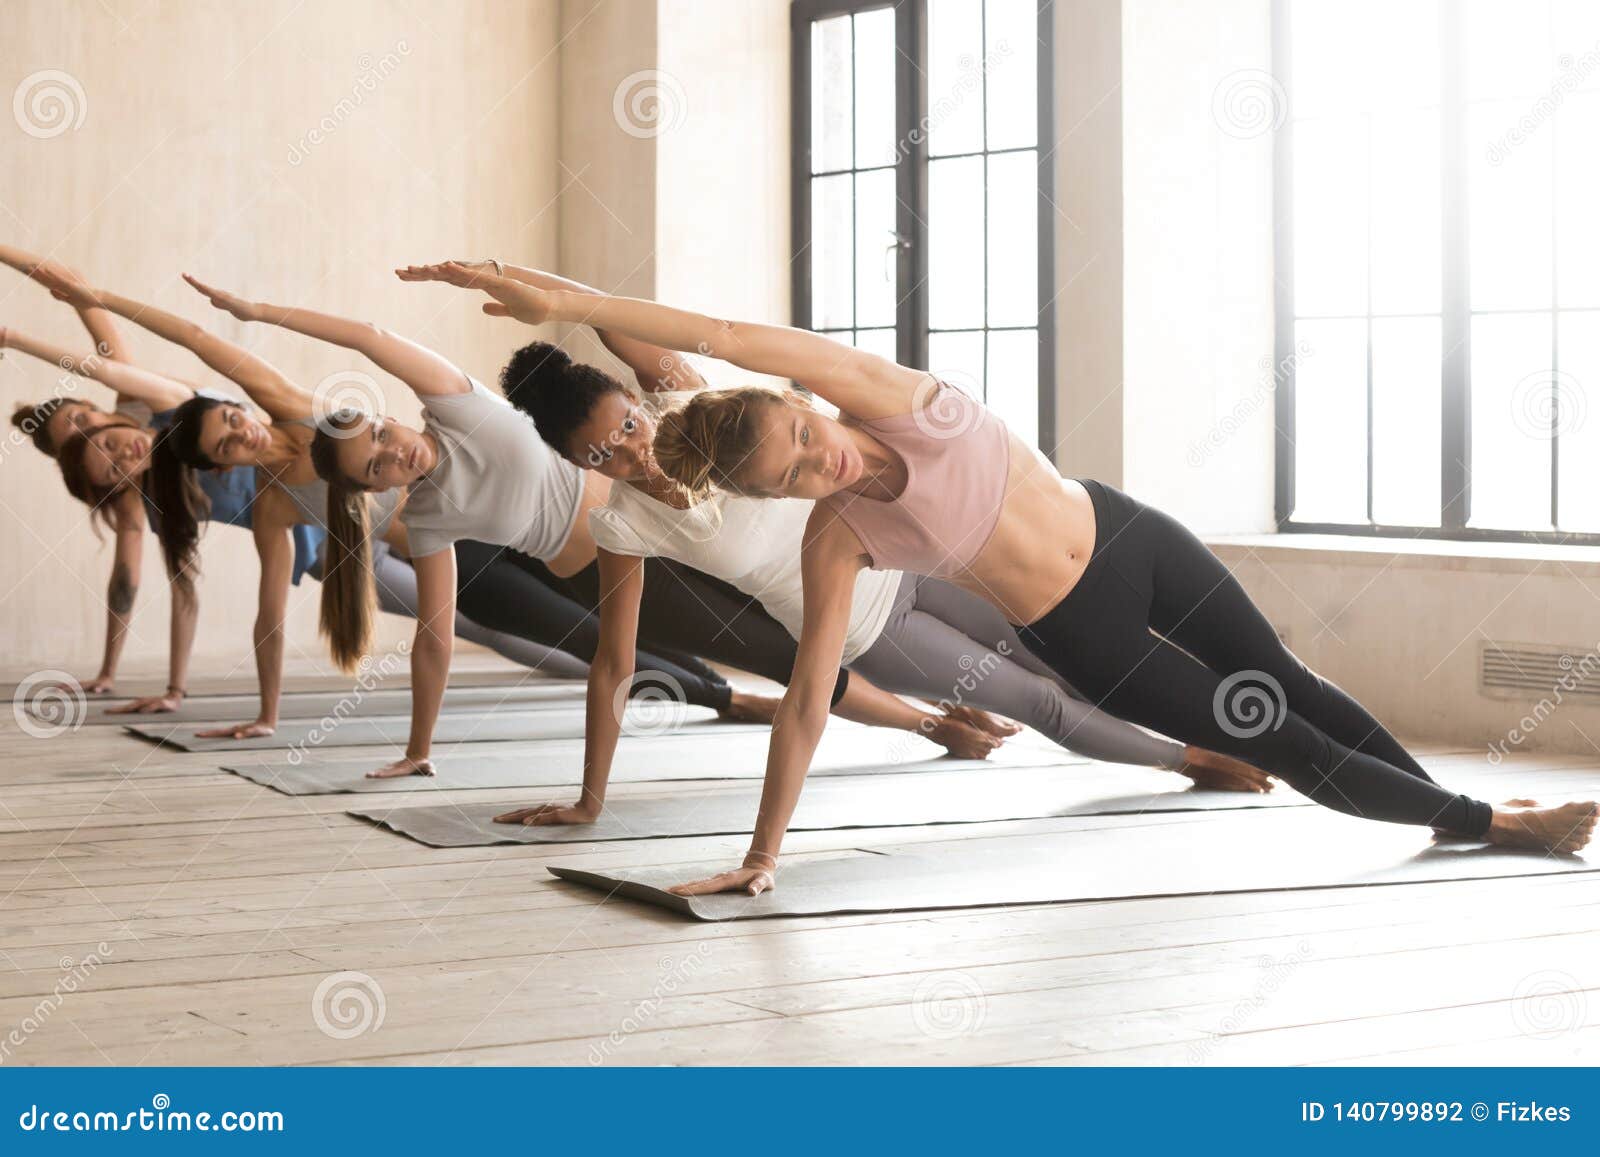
(404, 766)
(983, 721)
(961, 740)
(1212, 769)
(1565, 828)
(747, 708)
(1443, 835)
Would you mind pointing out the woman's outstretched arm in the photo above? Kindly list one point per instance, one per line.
(154, 390)
(48, 272)
(610, 676)
(830, 561)
(655, 367)
(859, 383)
(417, 366)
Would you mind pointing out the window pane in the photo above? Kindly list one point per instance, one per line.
(1013, 379)
(875, 257)
(877, 341)
(955, 76)
(1330, 400)
(957, 358)
(830, 94)
(1577, 137)
(955, 244)
(1405, 213)
(1506, 49)
(1575, 34)
(1324, 38)
(1013, 239)
(1508, 208)
(831, 268)
(1578, 394)
(1011, 57)
(1406, 413)
(1330, 217)
(875, 56)
(1512, 381)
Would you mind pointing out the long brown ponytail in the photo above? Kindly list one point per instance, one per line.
(349, 598)
(178, 505)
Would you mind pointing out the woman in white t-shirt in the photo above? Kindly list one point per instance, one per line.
(907, 633)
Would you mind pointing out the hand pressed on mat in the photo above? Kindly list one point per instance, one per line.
(549, 813)
(758, 875)
(238, 731)
(405, 765)
(149, 705)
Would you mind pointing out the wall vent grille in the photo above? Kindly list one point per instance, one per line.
(1522, 669)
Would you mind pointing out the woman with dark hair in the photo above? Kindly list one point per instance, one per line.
(479, 472)
(207, 442)
(1118, 598)
(908, 634)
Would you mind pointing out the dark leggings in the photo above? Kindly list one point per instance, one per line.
(683, 609)
(1218, 676)
(507, 591)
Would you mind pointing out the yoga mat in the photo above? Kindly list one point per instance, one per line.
(982, 795)
(1118, 857)
(741, 754)
(314, 705)
(550, 723)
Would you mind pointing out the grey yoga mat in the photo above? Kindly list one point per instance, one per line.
(981, 795)
(314, 705)
(845, 750)
(549, 723)
(1115, 857)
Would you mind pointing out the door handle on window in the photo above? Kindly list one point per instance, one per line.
(897, 245)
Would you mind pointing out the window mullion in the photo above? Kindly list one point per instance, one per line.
(911, 183)
(1283, 293)
(1456, 317)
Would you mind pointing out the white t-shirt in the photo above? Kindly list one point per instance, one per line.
(750, 543)
(497, 481)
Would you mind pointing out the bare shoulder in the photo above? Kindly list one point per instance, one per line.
(829, 542)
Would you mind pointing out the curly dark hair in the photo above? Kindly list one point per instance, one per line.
(558, 393)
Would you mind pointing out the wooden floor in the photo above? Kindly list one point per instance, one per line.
(156, 911)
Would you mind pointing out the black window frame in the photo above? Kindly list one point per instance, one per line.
(911, 186)
(1456, 314)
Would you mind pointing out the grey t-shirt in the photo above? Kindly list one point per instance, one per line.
(497, 481)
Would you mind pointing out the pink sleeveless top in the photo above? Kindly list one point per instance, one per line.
(957, 455)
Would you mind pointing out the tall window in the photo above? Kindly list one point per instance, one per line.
(1439, 281)
(922, 216)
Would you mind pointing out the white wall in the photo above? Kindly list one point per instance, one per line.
(194, 153)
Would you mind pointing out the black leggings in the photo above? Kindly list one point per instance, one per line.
(1218, 676)
(496, 590)
(682, 613)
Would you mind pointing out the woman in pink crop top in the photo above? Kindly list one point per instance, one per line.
(1118, 598)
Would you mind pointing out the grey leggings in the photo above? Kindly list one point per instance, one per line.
(945, 644)
(397, 593)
